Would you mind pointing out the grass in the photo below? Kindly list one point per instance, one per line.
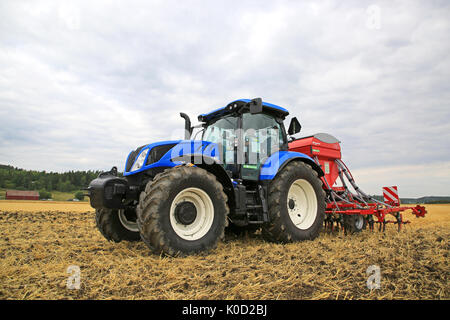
(64, 196)
(36, 248)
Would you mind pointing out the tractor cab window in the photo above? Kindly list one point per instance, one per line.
(262, 136)
(223, 132)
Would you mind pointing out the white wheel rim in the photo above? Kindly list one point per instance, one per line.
(359, 222)
(127, 224)
(304, 212)
(203, 220)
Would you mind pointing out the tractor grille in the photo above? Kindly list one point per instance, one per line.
(157, 152)
(132, 157)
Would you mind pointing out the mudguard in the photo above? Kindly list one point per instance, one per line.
(280, 159)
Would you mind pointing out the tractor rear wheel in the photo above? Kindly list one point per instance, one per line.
(296, 205)
(117, 225)
(182, 211)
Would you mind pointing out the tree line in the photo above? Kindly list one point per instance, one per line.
(20, 179)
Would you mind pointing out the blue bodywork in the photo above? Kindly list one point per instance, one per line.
(182, 148)
(206, 149)
(272, 165)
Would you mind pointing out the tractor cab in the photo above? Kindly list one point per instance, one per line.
(247, 132)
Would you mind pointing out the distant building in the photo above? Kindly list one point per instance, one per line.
(21, 195)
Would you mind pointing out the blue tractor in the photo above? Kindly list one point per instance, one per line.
(179, 197)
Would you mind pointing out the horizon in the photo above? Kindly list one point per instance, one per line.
(85, 83)
(49, 172)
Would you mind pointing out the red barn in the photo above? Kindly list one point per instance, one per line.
(21, 195)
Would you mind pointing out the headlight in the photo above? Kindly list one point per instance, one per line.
(139, 161)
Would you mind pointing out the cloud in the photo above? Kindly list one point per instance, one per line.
(429, 179)
(83, 83)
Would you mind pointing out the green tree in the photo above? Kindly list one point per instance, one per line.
(79, 195)
(15, 178)
(44, 194)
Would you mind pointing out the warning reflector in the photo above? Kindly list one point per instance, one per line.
(390, 195)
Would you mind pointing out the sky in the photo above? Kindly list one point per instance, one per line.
(82, 83)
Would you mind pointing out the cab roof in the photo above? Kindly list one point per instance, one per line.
(205, 117)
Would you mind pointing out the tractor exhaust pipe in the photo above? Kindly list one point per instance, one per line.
(187, 126)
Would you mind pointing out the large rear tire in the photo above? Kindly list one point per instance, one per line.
(182, 211)
(296, 205)
(117, 225)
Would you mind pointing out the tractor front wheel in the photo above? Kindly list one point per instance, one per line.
(117, 225)
(296, 205)
(182, 211)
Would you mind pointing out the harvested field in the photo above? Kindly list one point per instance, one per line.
(44, 206)
(39, 241)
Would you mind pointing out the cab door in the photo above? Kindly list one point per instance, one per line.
(224, 132)
(261, 136)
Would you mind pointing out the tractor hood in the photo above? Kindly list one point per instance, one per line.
(168, 154)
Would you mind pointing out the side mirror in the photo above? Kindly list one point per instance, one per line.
(256, 105)
(294, 127)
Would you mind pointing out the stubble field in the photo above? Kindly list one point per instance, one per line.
(40, 240)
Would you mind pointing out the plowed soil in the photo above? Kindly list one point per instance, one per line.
(38, 242)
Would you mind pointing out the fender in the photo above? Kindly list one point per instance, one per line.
(211, 165)
(277, 161)
(205, 155)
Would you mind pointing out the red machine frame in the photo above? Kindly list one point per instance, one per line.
(326, 152)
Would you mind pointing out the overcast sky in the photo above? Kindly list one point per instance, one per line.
(82, 83)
